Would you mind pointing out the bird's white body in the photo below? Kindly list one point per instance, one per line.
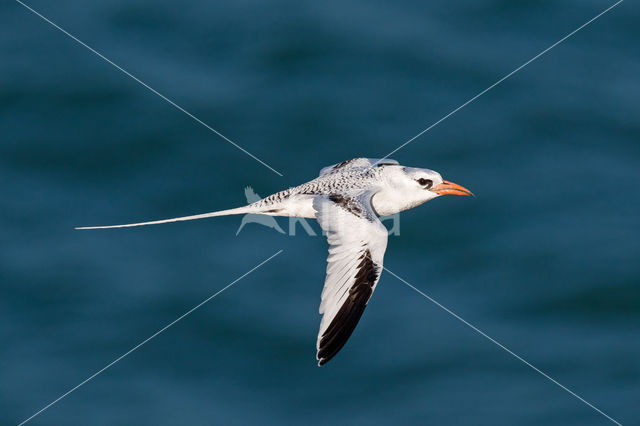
(392, 190)
(347, 199)
(387, 201)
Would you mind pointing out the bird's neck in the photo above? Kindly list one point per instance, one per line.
(387, 202)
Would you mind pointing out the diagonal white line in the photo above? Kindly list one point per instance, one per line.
(148, 338)
(501, 346)
(127, 73)
(501, 80)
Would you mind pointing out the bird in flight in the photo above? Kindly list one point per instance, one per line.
(347, 200)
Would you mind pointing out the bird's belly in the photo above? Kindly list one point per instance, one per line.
(296, 206)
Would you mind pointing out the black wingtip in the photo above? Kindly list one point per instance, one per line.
(345, 321)
(322, 360)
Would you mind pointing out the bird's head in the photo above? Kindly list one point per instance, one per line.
(431, 183)
(421, 185)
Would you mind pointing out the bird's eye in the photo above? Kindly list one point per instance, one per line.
(427, 183)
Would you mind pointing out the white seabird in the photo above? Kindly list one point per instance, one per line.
(347, 199)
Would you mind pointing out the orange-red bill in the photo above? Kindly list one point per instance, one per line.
(450, 188)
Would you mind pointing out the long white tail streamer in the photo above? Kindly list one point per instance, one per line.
(239, 210)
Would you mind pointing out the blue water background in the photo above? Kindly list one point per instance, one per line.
(546, 258)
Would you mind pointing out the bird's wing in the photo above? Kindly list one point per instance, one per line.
(357, 242)
(358, 163)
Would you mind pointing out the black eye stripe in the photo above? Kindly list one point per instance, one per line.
(425, 182)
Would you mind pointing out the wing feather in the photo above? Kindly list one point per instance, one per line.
(358, 163)
(357, 242)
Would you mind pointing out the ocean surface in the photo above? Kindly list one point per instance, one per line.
(545, 260)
